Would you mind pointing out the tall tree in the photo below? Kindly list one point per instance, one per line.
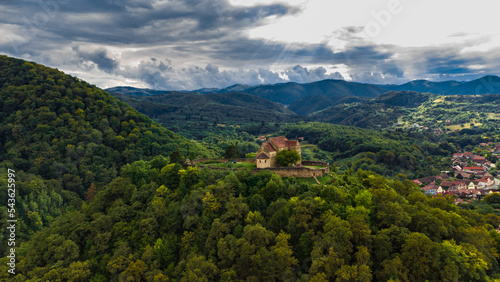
(232, 151)
(287, 157)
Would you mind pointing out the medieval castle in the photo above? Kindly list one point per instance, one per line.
(266, 160)
(267, 153)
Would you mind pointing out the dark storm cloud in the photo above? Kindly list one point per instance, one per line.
(255, 50)
(100, 57)
(450, 62)
(136, 22)
(208, 39)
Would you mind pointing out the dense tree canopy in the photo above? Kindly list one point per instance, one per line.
(65, 138)
(287, 157)
(200, 224)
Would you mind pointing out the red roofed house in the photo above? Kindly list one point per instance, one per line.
(462, 175)
(473, 169)
(462, 193)
(485, 182)
(479, 160)
(458, 185)
(416, 181)
(446, 184)
(432, 189)
(267, 152)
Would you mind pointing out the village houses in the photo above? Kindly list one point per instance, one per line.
(470, 177)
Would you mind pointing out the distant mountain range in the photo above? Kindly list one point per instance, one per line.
(485, 85)
(424, 86)
(305, 99)
(286, 93)
(127, 90)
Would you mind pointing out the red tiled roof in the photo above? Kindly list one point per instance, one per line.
(442, 176)
(473, 168)
(262, 156)
(430, 187)
(280, 142)
(446, 184)
(484, 179)
(269, 147)
(427, 179)
(292, 143)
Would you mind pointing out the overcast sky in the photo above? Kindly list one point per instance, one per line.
(191, 44)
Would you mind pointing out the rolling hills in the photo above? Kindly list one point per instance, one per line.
(311, 104)
(194, 114)
(404, 109)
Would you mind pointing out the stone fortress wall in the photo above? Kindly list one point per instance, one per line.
(281, 171)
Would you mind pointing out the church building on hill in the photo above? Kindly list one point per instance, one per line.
(266, 154)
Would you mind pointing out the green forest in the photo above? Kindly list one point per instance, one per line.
(187, 224)
(103, 194)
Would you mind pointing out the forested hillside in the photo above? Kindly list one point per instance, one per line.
(316, 103)
(202, 225)
(197, 116)
(387, 153)
(62, 136)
